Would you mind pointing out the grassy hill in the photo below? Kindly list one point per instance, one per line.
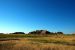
(36, 42)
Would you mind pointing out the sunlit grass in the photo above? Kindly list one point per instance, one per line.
(37, 42)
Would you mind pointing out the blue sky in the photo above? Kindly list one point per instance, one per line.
(29, 15)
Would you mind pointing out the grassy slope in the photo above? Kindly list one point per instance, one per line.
(37, 42)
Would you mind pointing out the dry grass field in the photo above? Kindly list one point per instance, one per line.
(36, 42)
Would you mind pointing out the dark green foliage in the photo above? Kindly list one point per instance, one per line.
(44, 32)
(1, 33)
(39, 32)
(59, 33)
(18, 33)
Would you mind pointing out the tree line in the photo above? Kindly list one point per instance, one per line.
(42, 32)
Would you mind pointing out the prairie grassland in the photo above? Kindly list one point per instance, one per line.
(37, 42)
